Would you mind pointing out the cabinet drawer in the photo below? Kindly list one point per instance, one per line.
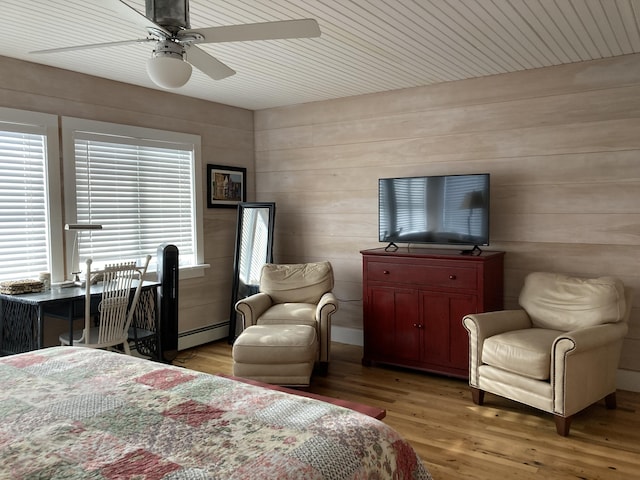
(427, 276)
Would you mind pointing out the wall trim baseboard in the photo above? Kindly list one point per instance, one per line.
(350, 336)
(628, 380)
(625, 379)
(211, 333)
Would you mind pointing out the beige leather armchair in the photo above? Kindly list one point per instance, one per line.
(294, 294)
(559, 353)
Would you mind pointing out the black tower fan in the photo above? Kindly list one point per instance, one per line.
(167, 302)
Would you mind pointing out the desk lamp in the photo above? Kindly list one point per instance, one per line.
(77, 227)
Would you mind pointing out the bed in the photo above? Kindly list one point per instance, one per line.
(73, 412)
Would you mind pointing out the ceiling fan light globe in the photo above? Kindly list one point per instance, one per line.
(168, 71)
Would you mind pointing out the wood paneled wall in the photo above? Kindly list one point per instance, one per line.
(562, 146)
(227, 139)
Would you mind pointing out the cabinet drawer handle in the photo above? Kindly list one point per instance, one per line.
(386, 272)
(452, 277)
(417, 325)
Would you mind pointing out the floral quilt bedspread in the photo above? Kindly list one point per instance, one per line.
(76, 413)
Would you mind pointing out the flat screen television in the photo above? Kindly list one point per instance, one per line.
(445, 210)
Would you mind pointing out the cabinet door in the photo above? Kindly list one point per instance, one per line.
(378, 322)
(407, 332)
(444, 338)
(390, 324)
(460, 306)
(435, 327)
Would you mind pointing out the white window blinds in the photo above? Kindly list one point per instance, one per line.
(24, 248)
(140, 191)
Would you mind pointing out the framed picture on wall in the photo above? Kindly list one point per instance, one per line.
(225, 186)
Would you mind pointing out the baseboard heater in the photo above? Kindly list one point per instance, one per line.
(200, 336)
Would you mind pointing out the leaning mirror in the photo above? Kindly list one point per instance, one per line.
(254, 248)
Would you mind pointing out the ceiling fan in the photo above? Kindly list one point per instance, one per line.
(167, 24)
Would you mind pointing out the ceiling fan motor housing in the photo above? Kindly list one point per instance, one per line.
(171, 14)
(168, 48)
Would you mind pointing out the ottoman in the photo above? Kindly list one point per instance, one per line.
(276, 354)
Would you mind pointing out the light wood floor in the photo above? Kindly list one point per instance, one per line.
(459, 440)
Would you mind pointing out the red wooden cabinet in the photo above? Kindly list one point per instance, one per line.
(414, 301)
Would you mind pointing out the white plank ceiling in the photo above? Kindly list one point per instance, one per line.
(366, 45)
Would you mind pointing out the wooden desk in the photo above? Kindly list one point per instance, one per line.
(22, 316)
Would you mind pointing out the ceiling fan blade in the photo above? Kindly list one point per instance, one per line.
(93, 45)
(207, 64)
(304, 28)
(128, 13)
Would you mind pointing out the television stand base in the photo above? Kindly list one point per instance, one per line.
(472, 251)
(392, 247)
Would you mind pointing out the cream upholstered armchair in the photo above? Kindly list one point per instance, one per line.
(290, 295)
(559, 353)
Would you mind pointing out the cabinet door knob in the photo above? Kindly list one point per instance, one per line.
(452, 277)
(386, 272)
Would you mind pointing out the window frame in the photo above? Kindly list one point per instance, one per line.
(47, 125)
(70, 125)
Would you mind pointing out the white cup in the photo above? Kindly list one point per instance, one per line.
(45, 277)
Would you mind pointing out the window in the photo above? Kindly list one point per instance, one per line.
(139, 184)
(29, 195)
(142, 185)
